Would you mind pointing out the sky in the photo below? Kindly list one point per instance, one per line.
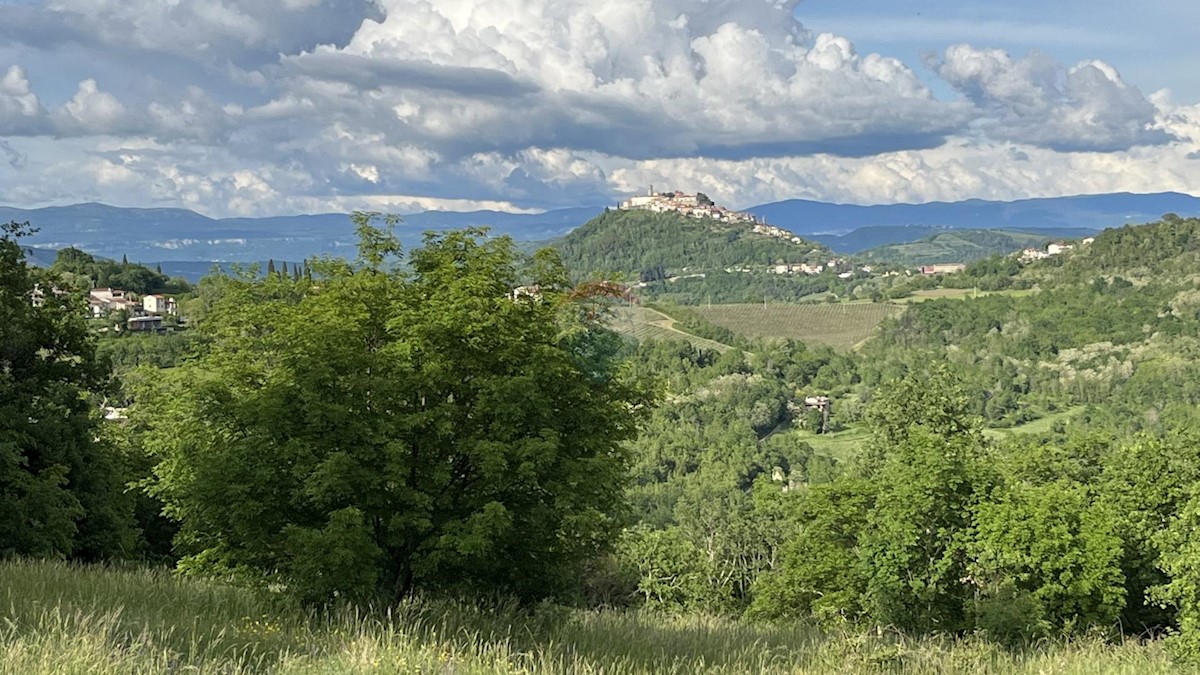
(271, 107)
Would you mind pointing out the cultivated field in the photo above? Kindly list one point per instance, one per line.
(840, 325)
(643, 324)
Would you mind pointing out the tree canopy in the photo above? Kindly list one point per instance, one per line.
(61, 483)
(372, 431)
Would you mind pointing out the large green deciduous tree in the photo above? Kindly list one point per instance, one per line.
(373, 431)
(61, 487)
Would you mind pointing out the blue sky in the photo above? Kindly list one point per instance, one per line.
(1153, 42)
(257, 107)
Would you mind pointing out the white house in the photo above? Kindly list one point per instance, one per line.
(159, 304)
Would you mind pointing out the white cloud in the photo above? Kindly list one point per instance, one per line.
(20, 110)
(254, 107)
(91, 111)
(1035, 100)
(959, 170)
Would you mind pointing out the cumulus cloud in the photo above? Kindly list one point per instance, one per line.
(637, 79)
(20, 111)
(1038, 101)
(91, 111)
(261, 106)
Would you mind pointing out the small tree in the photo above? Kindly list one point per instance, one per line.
(397, 430)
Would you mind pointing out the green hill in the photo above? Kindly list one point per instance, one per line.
(1170, 247)
(640, 242)
(957, 246)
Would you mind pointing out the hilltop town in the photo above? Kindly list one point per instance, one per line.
(700, 206)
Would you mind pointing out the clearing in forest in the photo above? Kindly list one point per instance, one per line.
(839, 325)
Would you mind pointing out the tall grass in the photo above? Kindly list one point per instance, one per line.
(58, 618)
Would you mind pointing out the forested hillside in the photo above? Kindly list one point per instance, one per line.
(634, 242)
(957, 246)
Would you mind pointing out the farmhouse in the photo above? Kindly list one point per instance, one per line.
(951, 268)
(103, 301)
(159, 304)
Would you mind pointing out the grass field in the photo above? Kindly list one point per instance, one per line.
(60, 619)
(840, 325)
(642, 323)
(846, 443)
(841, 445)
(1038, 426)
(958, 294)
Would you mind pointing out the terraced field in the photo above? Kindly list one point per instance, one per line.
(643, 324)
(841, 326)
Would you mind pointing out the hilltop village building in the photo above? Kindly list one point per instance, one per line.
(695, 206)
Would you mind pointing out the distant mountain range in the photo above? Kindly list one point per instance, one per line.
(1092, 212)
(154, 235)
(178, 237)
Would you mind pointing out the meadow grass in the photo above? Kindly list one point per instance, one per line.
(959, 294)
(60, 618)
(840, 445)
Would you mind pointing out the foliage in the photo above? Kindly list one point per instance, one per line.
(376, 432)
(1057, 546)
(104, 273)
(61, 483)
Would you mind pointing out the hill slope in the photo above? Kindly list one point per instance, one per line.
(957, 246)
(865, 238)
(637, 241)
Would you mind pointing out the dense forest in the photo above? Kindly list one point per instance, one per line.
(1022, 465)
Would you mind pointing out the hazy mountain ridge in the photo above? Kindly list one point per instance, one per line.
(154, 235)
(1085, 211)
(179, 235)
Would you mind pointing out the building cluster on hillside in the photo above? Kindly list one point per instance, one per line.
(777, 232)
(840, 266)
(1056, 248)
(695, 206)
(143, 314)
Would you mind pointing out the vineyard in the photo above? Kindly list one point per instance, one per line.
(644, 324)
(841, 325)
